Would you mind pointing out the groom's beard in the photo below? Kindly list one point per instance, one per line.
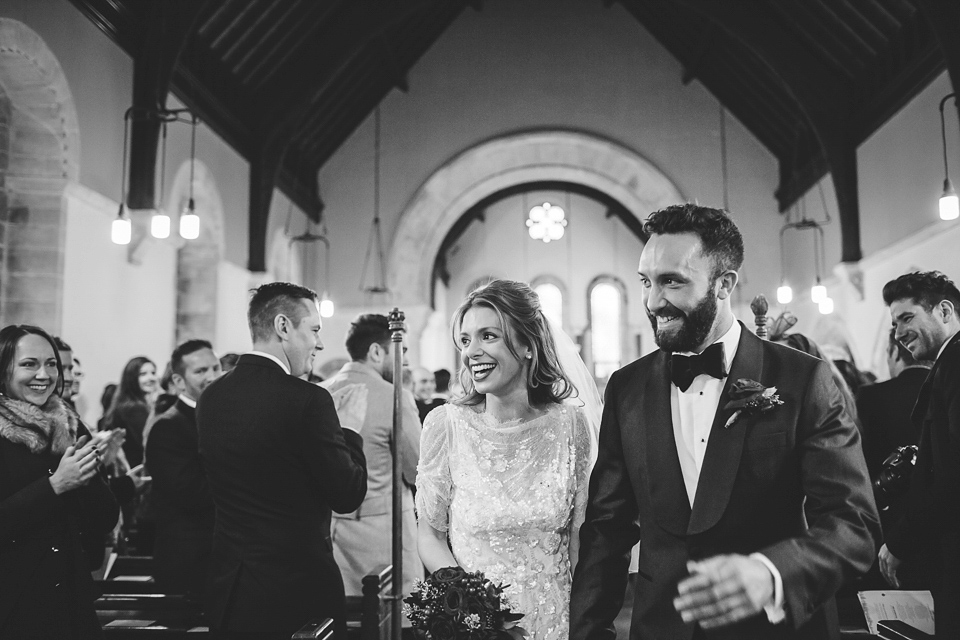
(695, 328)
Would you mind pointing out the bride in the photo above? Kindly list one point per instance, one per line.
(504, 468)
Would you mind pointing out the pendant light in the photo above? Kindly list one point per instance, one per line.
(949, 203)
(375, 242)
(121, 230)
(189, 220)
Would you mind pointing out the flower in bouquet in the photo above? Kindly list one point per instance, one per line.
(748, 397)
(453, 604)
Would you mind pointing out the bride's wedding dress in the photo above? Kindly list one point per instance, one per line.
(510, 495)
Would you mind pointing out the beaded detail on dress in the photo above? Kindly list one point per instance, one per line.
(510, 495)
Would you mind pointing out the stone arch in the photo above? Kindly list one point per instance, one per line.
(39, 156)
(198, 260)
(494, 165)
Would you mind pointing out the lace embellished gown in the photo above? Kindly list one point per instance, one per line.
(510, 495)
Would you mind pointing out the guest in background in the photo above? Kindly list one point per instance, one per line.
(277, 463)
(424, 390)
(364, 389)
(180, 498)
(65, 351)
(54, 507)
(924, 309)
(885, 410)
(132, 403)
(442, 380)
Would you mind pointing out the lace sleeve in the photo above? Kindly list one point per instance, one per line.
(434, 484)
(585, 455)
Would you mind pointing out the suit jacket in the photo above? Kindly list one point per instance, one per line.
(277, 462)
(884, 409)
(932, 521)
(180, 501)
(367, 395)
(790, 483)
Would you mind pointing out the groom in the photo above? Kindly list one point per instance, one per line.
(749, 519)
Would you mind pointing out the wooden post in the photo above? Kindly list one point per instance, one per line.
(396, 337)
(759, 307)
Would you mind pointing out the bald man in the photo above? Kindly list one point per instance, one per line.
(424, 388)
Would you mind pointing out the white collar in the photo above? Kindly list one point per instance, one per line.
(269, 356)
(187, 400)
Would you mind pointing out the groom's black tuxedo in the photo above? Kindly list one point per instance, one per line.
(790, 483)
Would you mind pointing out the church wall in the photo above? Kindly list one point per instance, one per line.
(524, 66)
(900, 182)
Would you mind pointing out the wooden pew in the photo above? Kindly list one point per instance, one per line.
(127, 575)
(322, 630)
(149, 615)
(368, 616)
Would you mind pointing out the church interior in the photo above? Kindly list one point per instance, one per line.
(396, 154)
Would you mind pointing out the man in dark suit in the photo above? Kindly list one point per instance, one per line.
(180, 498)
(924, 308)
(277, 462)
(885, 407)
(750, 515)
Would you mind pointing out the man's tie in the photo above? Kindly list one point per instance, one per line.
(683, 369)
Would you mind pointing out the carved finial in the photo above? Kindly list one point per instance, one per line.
(760, 306)
(396, 319)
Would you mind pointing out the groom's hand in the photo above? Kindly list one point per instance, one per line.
(723, 590)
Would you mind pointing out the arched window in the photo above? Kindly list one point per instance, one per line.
(607, 322)
(551, 301)
(552, 293)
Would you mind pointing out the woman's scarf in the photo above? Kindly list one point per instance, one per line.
(47, 429)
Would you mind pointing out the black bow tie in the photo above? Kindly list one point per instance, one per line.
(683, 369)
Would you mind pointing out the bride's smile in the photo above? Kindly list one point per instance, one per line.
(485, 351)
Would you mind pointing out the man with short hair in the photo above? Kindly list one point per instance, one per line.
(362, 540)
(180, 499)
(66, 359)
(924, 308)
(730, 457)
(424, 390)
(277, 463)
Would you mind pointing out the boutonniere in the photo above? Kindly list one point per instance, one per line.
(750, 397)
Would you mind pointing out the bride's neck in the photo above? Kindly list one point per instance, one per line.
(515, 406)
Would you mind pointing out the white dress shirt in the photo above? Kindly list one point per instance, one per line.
(187, 400)
(692, 412)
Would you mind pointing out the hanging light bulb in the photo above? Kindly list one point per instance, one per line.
(189, 222)
(826, 306)
(818, 292)
(949, 203)
(160, 225)
(326, 306)
(121, 230)
(784, 294)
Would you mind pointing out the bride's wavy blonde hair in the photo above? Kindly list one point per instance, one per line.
(518, 308)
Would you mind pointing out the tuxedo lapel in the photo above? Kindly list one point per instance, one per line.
(721, 460)
(664, 477)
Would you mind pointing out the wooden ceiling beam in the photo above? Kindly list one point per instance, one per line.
(790, 64)
(168, 27)
(944, 18)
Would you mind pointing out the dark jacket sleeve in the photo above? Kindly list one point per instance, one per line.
(334, 455)
(174, 465)
(843, 525)
(607, 534)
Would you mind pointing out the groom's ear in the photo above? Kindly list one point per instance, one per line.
(728, 282)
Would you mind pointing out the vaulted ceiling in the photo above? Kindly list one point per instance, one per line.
(285, 82)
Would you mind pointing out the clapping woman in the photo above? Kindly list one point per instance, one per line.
(504, 469)
(54, 506)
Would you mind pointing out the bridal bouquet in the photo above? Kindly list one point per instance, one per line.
(452, 604)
